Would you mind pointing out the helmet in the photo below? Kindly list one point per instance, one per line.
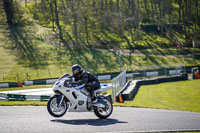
(76, 69)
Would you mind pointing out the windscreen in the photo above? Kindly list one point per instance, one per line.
(64, 76)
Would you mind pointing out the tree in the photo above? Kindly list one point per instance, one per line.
(9, 11)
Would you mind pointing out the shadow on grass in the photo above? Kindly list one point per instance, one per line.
(27, 53)
(92, 60)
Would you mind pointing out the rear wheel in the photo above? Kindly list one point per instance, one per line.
(105, 112)
(54, 109)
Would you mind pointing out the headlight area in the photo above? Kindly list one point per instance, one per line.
(57, 92)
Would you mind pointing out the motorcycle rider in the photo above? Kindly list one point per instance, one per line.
(82, 76)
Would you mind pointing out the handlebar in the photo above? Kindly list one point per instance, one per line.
(69, 84)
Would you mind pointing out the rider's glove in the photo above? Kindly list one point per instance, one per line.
(72, 83)
(66, 83)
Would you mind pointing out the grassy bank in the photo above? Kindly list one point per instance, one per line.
(182, 95)
(37, 54)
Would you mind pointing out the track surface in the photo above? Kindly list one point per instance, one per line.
(33, 119)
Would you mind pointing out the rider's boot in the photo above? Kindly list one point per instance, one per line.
(93, 97)
(94, 101)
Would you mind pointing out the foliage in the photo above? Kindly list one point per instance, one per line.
(116, 23)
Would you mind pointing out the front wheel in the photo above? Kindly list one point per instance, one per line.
(105, 112)
(54, 109)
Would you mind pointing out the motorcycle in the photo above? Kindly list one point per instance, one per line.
(69, 98)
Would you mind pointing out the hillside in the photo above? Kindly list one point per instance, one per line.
(33, 47)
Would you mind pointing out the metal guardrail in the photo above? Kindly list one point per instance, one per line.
(158, 70)
(19, 97)
(118, 83)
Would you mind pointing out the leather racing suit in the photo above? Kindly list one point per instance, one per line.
(90, 81)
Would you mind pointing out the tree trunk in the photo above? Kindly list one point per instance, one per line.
(189, 14)
(75, 21)
(179, 14)
(169, 10)
(147, 11)
(117, 5)
(197, 13)
(58, 20)
(111, 5)
(152, 8)
(184, 21)
(132, 8)
(106, 2)
(86, 29)
(52, 14)
(8, 8)
(25, 3)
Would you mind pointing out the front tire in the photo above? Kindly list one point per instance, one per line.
(54, 109)
(104, 113)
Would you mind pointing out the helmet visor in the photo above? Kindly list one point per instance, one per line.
(75, 72)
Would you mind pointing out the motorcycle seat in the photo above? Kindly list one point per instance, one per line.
(103, 88)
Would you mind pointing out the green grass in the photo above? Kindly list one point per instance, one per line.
(22, 103)
(182, 95)
(6, 58)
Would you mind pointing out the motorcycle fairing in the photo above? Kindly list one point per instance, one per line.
(81, 95)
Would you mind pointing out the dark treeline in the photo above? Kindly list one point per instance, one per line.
(109, 22)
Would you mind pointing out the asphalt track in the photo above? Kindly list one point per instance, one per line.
(35, 119)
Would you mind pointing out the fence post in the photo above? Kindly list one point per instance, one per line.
(37, 73)
(27, 76)
(49, 73)
(61, 70)
(17, 77)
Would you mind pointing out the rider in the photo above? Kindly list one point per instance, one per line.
(81, 76)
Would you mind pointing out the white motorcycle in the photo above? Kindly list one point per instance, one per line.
(77, 99)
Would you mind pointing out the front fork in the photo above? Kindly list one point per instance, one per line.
(60, 100)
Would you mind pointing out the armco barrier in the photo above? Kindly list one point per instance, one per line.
(131, 90)
(122, 90)
(134, 86)
(7, 85)
(18, 97)
(33, 98)
(105, 76)
(3, 97)
(44, 98)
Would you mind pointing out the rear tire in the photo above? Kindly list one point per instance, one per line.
(104, 113)
(53, 108)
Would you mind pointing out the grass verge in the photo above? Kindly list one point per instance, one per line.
(183, 95)
(22, 103)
